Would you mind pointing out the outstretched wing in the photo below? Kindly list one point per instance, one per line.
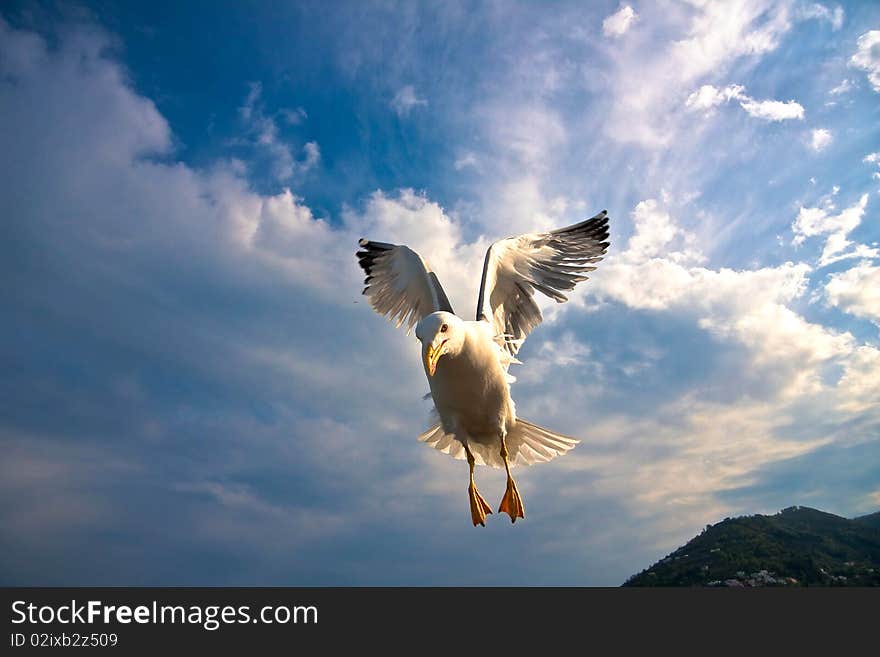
(548, 262)
(399, 283)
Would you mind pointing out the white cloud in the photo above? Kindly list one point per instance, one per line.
(405, 100)
(856, 291)
(650, 81)
(749, 307)
(820, 139)
(654, 231)
(619, 22)
(812, 221)
(819, 220)
(773, 110)
(721, 33)
(859, 387)
(867, 57)
(708, 97)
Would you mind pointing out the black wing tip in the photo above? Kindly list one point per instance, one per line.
(597, 224)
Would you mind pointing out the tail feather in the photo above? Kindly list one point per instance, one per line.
(527, 443)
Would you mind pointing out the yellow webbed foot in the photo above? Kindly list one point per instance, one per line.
(479, 507)
(511, 503)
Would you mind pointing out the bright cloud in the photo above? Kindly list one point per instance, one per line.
(773, 110)
(708, 97)
(649, 82)
(812, 221)
(857, 290)
(867, 57)
(619, 22)
(820, 139)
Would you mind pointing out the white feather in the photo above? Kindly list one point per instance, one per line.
(527, 444)
(548, 262)
(400, 284)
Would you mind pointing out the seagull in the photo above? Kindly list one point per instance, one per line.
(467, 362)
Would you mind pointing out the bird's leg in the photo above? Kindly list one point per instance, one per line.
(511, 503)
(479, 507)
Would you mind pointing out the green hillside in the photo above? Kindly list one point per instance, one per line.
(872, 519)
(798, 546)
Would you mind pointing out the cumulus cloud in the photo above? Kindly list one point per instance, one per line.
(619, 22)
(856, 290)
(867, 57)
(708, 97)
(773, 110)
(405, 100)
(749, 306)
(654, 231)
(820, 139)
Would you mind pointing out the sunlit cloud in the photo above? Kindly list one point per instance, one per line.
(619, 22)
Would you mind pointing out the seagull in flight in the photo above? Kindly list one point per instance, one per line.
(467, 362)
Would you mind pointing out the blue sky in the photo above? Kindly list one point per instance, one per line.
(195, 392)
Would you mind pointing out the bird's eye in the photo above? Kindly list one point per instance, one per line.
(444, 328)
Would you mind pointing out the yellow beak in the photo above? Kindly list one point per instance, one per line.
(432, 355)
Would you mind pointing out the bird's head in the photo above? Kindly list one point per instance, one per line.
(440, 333)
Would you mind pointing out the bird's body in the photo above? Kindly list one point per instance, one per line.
(466, 362)
(470, 389)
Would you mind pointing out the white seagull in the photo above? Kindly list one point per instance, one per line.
(466, 362)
